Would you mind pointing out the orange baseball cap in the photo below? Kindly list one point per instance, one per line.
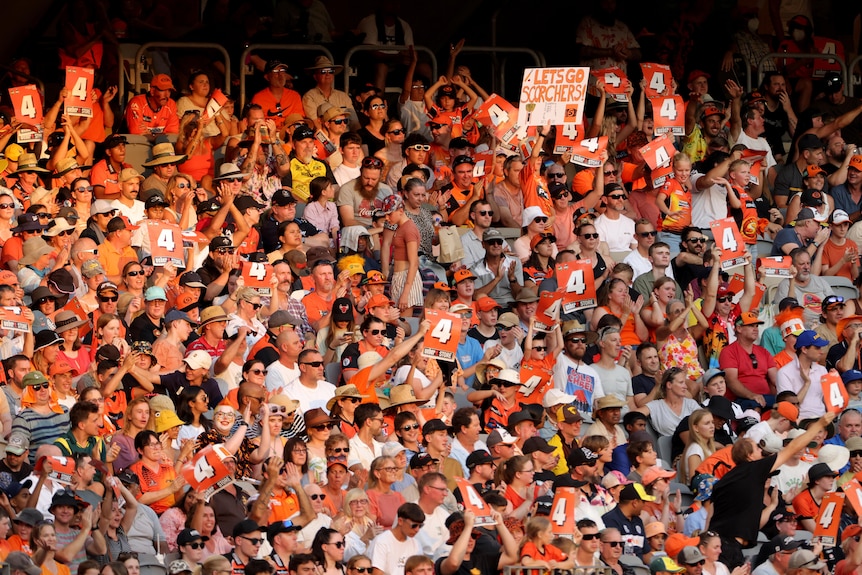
(379, 300)
(812, 171)
(856, 162)
(487, 303)
(462, 275)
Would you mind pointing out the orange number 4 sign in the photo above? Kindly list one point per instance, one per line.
(257, 275)
(829, 518)
(577, 281)
(835, 395)
(441, 341)
(563, 511)
(471, 500)
(729, 241)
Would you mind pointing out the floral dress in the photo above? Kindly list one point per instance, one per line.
(681, 353)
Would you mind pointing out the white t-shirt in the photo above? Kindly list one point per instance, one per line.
(135, 213)
(758, 143)
(344, 173)
(279, 375)
(308, 397)
(706, 205)
(618, 234)
(580, 380)
(389, 555)
(401, 377)
(664, 420)
(616, 381)
(433, 535)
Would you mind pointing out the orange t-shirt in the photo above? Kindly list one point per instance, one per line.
(534, 190)
(365, 387)
(316, 306)
(156, 481)
(283, 506)
(277, 110)
(250, 243)
(103, 174)
(550, 553)
(678, 201)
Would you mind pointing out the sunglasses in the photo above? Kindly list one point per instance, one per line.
(698, 564)
(183, 185)
(372, 163)
(611, 173)
(229, 414)
(323, 426)
(856, 454)
(497, 242)
(577, 340)
(418, 87)
(6, 206)
(541, 348)
(556, 175)
(410, 427)
(414, 525)
(318, 497)
(258, 371)
(486, 213)
(199, 545)
(589, 536)
(697, 240)
(397, 132)
(352, 399)
(648, 234)
(252, 540)
(340, 121)
(753, 359)
(420, 147)
(540, 220)
(135, 273)
(617, 196)
(341, 450)
(224, 251)
(313, 363)
(40, 386)
(381, 106)
(505, 327)
(44, 300)
(593, 236)
(86, 189)
(277, 409)
(43, 216)
(363, 569)
(255, 306)
(613, 543)
(724, 299)
(435, 126)
(107, 299)
(376, 331)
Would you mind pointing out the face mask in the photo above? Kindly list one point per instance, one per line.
(798, 35)
(753, 25)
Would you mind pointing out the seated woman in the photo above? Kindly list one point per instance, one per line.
(616, 301)
(673, 404)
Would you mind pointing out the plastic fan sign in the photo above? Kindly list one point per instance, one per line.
(471, 500)
(12, 318)
(588, 153)
(166, 243)
(567, 136)
(563, 511)
(729, 241)
(554, 95)
(79, 84)
(658, 79)
(658, 155)
(829, 518)
(775, 266)
(498, 115)
(615, 82)
(62, 468)
(576, 279)
(441, 341)
(853, 491)
(27, 104)
(206, 473)
(835, 395)
(216, 103)
(668, 114)
(548, 311)
(258, 275)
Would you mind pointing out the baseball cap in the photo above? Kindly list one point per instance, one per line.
(838, 217)
(283, 197)
(479, 457)
(581, 456)
(808, 338)
(812, 170)
(187, 536)
(460, 143)
(162, 82)
(634, 491)
(809, 142)
(245, 527)
(804, 215)
(499, 436)
(782, 543)
(434, 425)
(120, 223)
(486, 303)
(155, 293)
(569, 414)
(275, 66)
(302, 133)
(690, 555)
(812, 198)
(748, 318)
(492, 234)
(17, 444)
(420, 460)
(800, 558)
(535, 444)
(462, 159)
(851, 375)
(664, 565)
(463, 274)
(198, 359)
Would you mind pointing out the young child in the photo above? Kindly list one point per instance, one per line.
(741, 205)
(536, 549)
(656, 534)
(537, 368)
(853, 382)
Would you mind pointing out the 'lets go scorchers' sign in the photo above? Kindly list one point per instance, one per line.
(554, 95)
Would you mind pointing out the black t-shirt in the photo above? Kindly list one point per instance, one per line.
(20, 475)
(738, 499)
(684, 274)
(836, 352)
(477, 335)
(143, 329)
(776, 125)
(632, 531)
(642, 384)
(486, 564)
(269, 232)
(171, 384)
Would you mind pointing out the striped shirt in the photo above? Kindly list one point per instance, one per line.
(40, 429)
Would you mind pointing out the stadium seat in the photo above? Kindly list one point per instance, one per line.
(663, 446)
(138, 151)
(764, 247)
(842, 286)
(333, 372)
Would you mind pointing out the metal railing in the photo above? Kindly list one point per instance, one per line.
(804, 56)
(578, 570)
(848, 78)
(498, 77)
(139, 67)
(13, 72)
(374, 48)
(243, 72)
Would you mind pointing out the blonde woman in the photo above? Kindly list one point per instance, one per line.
(701, 443)
(362, 528)
(213, 565)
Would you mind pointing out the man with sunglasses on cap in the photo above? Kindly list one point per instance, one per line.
(414, 150)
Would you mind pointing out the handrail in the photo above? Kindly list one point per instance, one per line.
(849, 76)
(121, 86)
(293, 47)
(802, 56)
(33, 79)
(578, 570)
(377, 48)
(500, 75)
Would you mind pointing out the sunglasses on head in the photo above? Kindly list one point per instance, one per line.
(376, 163)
